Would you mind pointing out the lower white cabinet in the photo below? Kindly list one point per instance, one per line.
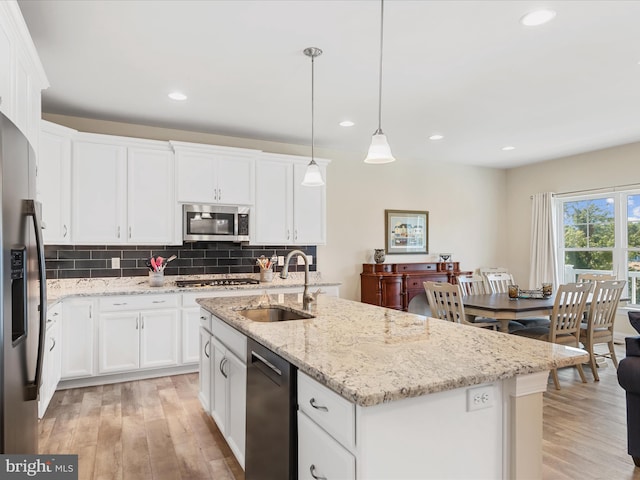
(78, 338)
(52, 361)
(223, 381)
(137, 339)
(190, 335)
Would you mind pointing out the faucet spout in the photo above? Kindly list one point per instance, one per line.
(307, 298)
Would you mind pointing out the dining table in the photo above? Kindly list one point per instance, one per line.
(505, 309)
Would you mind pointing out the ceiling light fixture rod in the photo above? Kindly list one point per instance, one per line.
(380, 72)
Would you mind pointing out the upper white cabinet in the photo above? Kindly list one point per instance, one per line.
(54, 182)
(123, 191)
(212, 174)
(287, 213)
(22, 77)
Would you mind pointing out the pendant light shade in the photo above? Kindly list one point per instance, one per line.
(380, 151)
(313, 176)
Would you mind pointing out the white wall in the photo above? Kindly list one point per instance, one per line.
(602, 168)
(467, 205)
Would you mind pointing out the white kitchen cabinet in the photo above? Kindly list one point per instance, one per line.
(236, 405)
(52, 361)
(137, 332)
(213, 174)
(54, 182)
(99, 193)
(150, 197)
(206, 363)
(78, 338)
(287, 213)
(123, 191)
(21, 74)
(219, 381)
(190, 336)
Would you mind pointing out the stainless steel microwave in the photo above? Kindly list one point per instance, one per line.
(213, 223)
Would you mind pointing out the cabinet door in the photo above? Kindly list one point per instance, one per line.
(309, 217)
(77, 338)
(392, 294)
(54, 185)
(5, 71)
(321, 456)
(274, 207)
(150, 199)
(235, 180)
(99, 196)
(119, 342)
(190, 327)
(159, 338)
(219, 393)
(236, 405)
(196, 177)
(205, 369)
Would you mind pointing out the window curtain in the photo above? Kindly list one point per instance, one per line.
(543, 241)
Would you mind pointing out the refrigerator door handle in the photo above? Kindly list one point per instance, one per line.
(32, 208)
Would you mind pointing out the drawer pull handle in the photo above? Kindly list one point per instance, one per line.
(204, 319)
(160, 301)
(312, 402)
(312, 469)
(221, 367)
(119, 304)
(53, 340)
(205, 349)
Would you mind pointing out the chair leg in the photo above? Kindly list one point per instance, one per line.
(556, 382)
(581, 372)
(613, 354)
(594, 366)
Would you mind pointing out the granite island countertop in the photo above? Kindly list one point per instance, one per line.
(371, 355)
(78, 287)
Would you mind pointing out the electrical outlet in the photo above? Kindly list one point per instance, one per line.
(280, 260)
(480, 397)
(115, 262)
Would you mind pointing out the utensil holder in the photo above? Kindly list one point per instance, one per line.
(156, 279)
(266, 275)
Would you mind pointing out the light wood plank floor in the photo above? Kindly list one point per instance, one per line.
(156, 429)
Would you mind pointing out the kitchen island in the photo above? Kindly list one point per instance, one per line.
(432, 399)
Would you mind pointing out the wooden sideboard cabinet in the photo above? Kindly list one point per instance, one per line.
(393, 285)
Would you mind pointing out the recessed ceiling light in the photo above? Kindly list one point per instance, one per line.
(347, 123)
(507, 148)
(177, 96)
(538, 17)
(436, 136)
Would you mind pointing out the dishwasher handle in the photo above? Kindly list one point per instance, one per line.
(266, 367)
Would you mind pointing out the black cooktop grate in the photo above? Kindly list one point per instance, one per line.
(212, 282)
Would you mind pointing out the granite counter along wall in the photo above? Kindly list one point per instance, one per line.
(198, 258)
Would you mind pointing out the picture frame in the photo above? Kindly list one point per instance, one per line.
(406, 231)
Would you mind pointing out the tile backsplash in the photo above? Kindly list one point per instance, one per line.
(198, 258)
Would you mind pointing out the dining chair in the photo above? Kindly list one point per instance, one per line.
(566, 317)
(485, 270)
(594, 277)
(445, 302)
(499, 282)
(598, 328)
(474, 285)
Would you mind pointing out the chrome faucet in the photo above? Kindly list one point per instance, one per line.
(307, 298)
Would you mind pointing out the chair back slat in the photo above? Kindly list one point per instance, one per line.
(445, 301)
(499, 282)
(605, 300)
(471, 285)
(568, 310)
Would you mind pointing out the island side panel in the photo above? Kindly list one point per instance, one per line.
(431, 437)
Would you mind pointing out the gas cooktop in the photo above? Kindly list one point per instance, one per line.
(212, 282)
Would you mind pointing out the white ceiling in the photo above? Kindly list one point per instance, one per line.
(466, 69)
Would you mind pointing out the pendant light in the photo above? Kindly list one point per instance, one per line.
(313, 176)
(379, 151)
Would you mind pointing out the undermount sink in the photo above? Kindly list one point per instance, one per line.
(272, 314)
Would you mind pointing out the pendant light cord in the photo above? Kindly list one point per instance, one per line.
(380, 74)
(312, 108)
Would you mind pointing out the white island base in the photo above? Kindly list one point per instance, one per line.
(435, 436)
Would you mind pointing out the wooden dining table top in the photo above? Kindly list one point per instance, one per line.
(500, 302)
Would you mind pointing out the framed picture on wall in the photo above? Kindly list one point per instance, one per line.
(406, 231)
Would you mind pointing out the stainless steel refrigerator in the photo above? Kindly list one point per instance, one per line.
(23, 300)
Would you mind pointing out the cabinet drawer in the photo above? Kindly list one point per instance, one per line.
(137, 302)
(320, 456)
(416, 267)
(332, 412)
(232, 338)
(205, 319)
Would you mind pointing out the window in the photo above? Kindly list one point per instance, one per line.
(600, 234)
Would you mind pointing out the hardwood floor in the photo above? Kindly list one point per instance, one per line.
(156, 429)
(150, 429)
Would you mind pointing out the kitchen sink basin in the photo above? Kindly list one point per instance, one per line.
(272, 314)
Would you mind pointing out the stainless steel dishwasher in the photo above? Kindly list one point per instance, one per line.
(271, 442)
